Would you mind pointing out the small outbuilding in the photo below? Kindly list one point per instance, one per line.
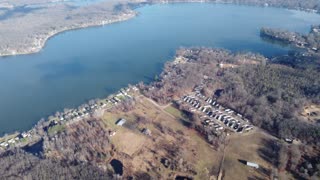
(121, 121)
(146, 131)
(254, 165)
(288, 140)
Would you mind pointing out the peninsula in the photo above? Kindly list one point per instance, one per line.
(25, 28)
(310, 42)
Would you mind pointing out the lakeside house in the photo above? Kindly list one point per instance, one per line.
(73, 115)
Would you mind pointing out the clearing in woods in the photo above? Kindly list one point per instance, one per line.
(140, 152)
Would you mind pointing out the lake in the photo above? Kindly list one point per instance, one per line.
(76, 66)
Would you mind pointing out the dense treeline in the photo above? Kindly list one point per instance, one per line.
(292, 4)
(270, 95)
(80, 151)
(310, 41)
(85, 141)
(17, 164)
(295, 4)
(298, 60)
(177, 79)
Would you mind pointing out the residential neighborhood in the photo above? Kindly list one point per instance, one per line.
(69, 116)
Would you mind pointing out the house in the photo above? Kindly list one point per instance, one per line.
(24, 135)
(134, 88)
(4, 144)
(219, 128)
(11, 141)
(204, 109)
(116, 99)
(102, 104)
(123, 92)
(185, 98)
(192, 109)
(249, 128)
(120, 122)
(239, 130)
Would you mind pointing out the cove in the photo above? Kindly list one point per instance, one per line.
(80, 65)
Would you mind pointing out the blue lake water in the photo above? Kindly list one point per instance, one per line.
(79, 65)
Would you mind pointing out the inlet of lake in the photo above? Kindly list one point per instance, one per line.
(77, 66)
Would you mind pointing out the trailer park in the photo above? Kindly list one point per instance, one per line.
(214, 115)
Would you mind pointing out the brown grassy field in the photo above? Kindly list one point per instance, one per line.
(253, 147)
(311, 113)
(142, 153)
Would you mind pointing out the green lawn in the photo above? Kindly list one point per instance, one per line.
(56, 129)
(23, 140)
(176, 112)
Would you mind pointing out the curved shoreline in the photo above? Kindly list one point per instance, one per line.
(42, 42)
(122, 17)
(116, 18)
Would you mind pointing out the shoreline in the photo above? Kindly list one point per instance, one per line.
(42, 42)
(34, 48)
(90, 109)
(119, 18)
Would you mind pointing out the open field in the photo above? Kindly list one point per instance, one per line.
(170, 139)
(128, 142)
(175, 112)
(312, 114)
(254, 147)
(173, 149)
(140, 152)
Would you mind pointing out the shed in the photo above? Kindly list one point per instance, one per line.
(288, 140)
(146, 131)
(120, 122)
(254, 165)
